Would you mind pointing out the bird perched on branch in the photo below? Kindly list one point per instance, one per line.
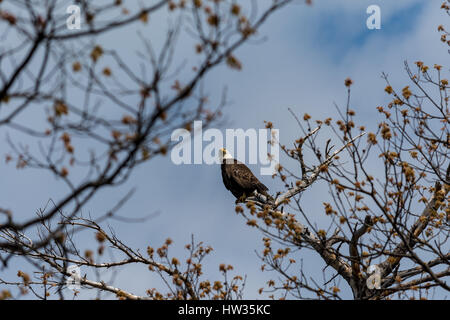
(239, 179)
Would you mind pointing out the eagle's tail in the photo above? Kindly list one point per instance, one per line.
(262, 189)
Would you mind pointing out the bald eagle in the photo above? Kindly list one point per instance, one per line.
(239, 179)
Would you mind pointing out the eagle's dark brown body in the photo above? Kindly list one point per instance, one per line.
(239, 179)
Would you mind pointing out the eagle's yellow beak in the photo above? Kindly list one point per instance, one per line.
(223, 150)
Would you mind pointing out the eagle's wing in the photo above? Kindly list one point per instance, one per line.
(246, 179)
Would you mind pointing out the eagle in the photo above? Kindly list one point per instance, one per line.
(239, 179)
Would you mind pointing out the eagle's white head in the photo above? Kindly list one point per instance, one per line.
(224, 155)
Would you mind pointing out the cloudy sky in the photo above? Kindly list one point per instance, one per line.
(306, 54)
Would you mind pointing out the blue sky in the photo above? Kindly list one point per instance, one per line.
(302, 64)
(395, 23)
